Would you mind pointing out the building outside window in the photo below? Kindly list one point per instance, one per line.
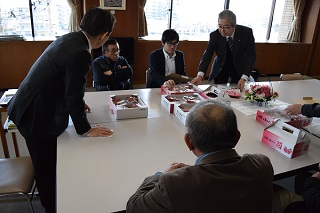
(270, 20)
(50, 17)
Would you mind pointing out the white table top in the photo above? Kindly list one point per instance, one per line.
(100, 174)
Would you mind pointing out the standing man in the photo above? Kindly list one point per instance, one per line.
(235, 52)
(167, 62)
(54, 89)
(110, 70)
(220, 181)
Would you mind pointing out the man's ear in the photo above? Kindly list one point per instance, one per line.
(188, 142)
(237, 137)
(103, 35)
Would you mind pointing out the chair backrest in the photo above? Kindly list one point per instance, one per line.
(290, 77)
(147, 75)
(17, 177)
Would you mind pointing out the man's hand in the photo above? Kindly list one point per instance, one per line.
(169, 82)
(174, 166)
(316, 175)
(87, 108)
(108, 72)
(197, 80)
(99, 131)
(241, 83)
(293, 109)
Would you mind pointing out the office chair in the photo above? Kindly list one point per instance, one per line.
(290, 77)
(17, 177)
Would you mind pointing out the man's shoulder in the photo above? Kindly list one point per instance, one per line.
(258, 158)
(243, 28)
(156, 52)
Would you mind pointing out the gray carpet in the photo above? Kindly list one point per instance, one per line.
(19, 204)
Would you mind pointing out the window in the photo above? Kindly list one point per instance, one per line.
(50, 17)
(194, 20)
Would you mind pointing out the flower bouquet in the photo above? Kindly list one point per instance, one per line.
(260, 94)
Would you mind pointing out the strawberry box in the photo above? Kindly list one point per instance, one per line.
(181, 111)
(269, 116)
(128, 106)
(169, 101)
(286, 139)
(179, 89)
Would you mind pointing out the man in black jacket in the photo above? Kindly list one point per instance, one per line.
(235, 51)
(54, 89)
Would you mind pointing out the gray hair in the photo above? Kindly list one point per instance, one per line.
(228, 14)
(212, 126)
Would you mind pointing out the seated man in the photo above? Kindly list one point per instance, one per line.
(220, 181)
(166, 62)
(111, 71)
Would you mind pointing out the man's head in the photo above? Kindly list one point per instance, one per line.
(226, 22)
(111, 49)
(170, 41)
(98, 24)
(211, 126)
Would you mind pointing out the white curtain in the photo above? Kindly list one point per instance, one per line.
(76, 14)
(295, 29)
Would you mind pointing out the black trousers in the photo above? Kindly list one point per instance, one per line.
(43, 151)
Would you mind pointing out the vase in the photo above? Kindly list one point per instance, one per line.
(262, 103)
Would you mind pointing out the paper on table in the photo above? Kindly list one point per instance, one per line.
(248, 108)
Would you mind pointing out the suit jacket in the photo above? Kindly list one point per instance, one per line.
(220, 182)
(157, 67)
(311, 194)
(244, 52)
(54, 89)
(311, 110)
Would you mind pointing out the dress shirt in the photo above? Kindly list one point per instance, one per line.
(170, 63)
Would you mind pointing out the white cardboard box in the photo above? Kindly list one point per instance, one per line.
(124, 113)
(180, 89)
(180, 114)
(286, 139)
(217, 94)
(182, 98)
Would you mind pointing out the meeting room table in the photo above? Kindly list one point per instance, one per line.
(99, 174)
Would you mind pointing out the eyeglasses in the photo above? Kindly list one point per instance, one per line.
(225, 27)
(113, 51)
(170, 43)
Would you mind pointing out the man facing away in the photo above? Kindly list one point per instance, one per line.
(220, 181)
(110, 70)
(235, 52)
(54, 89)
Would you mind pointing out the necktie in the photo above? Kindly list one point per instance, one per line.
(230, 43)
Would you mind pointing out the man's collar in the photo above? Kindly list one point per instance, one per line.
(166, 55)
(90, 46)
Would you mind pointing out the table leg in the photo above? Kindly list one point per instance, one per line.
(4, 140)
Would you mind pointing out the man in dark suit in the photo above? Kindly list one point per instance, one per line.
(234, 60)
(220, 181)
(54, 89)
(166, 62)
